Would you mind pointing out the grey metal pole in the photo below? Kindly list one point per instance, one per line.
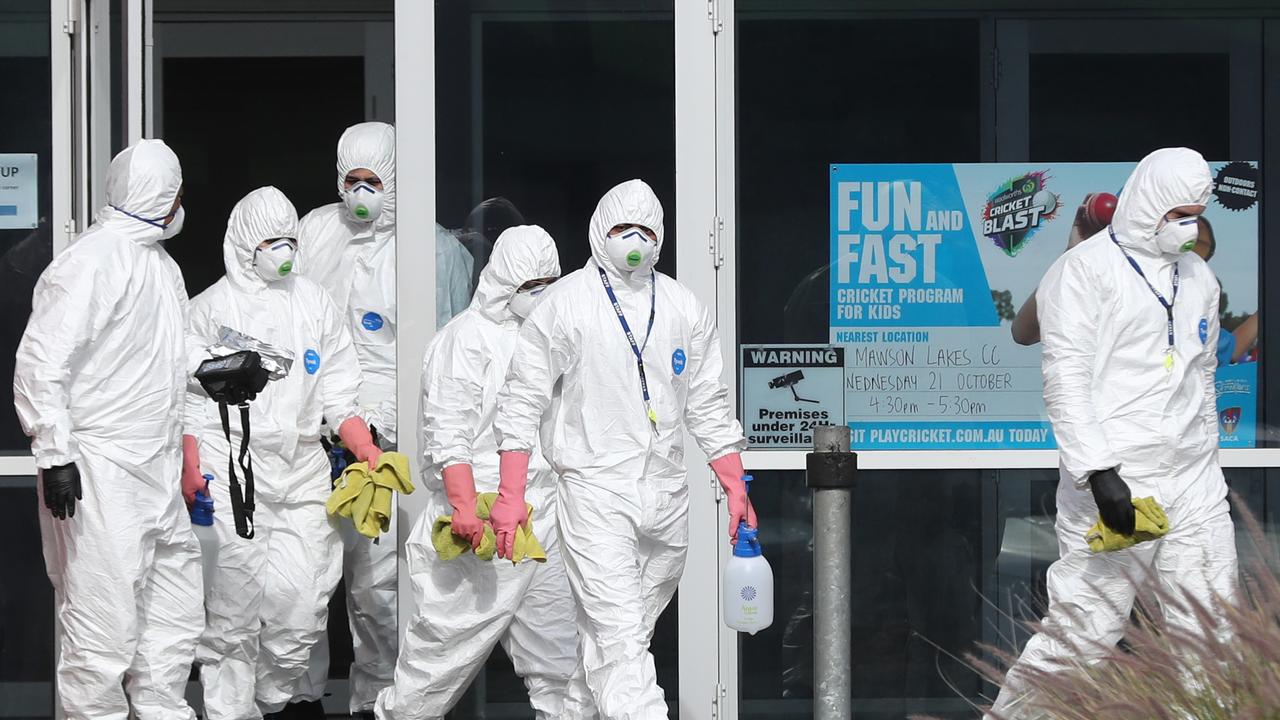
(830, 471)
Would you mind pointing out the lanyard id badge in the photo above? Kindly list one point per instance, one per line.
(1166, 304)
(637, 350)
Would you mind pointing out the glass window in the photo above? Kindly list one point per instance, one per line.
(26, 607)
(1073, 92)
(26, 239)
(27, 246)
(538, 114)
(553, 111)
(942, 561)
(300, 106)
(931, 548)
(913, 95)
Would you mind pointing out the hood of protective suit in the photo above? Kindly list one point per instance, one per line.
(1165, 179)
(143, 180)
(371, 145)
(264, 214)
(632, 202)
(522, 253)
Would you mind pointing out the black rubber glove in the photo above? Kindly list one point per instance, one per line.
(1115, 502)
(61, 490)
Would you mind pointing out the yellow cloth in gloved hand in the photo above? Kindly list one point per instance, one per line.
(365, 496)
(449, 546)
(1150, 523)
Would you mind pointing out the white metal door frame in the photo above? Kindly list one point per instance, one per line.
(721, 16)
(415, 104)
(706, 660)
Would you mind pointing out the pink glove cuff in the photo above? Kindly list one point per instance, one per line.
(356, 436)
(460, 486)
(729, 471)
(513, 473)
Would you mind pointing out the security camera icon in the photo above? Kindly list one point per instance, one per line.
(790, 380)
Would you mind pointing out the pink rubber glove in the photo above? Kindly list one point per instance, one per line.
(192, 478)
(460, 487)
(509, 511)
(357, 438)
(729, 472)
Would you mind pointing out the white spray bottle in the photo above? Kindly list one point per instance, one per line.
(202, 524)
(747, 592)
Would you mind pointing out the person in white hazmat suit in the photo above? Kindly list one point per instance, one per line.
(466, 606)
(638, 358)
(349, 248)
(99, 381)
(269, 599)
(1129, 320)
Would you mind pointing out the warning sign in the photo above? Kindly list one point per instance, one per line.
(788, 390)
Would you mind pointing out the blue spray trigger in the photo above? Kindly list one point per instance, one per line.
(748, 544)
(202, 508)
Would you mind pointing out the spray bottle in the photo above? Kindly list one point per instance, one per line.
(747, 591)
(202, 524)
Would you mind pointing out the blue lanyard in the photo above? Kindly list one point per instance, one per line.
(1166, 304)
(637, 350)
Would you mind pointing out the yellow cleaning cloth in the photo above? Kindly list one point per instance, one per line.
(1150, 524)
(365, 496)
(449, 546)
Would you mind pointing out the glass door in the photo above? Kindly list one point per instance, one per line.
(534, 113)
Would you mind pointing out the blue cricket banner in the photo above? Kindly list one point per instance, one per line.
(930, 264)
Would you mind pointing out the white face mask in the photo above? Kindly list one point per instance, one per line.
(175, 225)
(630, 250)
(364, 201)
(524, 301)
(1176, 237)
(275, 262)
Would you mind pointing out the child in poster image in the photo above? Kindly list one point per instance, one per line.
(1239, 334)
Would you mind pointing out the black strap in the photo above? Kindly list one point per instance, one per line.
(241, 503)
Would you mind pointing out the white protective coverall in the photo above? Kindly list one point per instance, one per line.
(623, 501)
(1113, 404)
(355, 262)
(99, 382)
(270, 597)
(465, 606)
